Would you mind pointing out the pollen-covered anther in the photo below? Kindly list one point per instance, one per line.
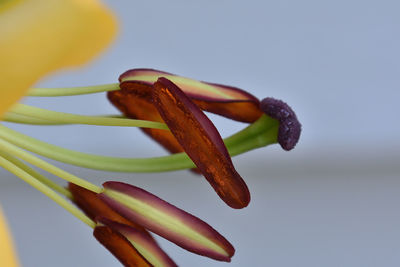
(201, 141)
(227, 101)
(166, 220)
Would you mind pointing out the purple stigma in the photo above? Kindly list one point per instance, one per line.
(289, 127)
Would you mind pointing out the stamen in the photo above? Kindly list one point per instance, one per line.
(70, 91)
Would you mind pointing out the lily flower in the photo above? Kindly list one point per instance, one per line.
(44, 36)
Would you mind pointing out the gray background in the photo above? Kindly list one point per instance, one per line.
(333, 201)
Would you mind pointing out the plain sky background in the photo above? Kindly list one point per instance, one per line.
(332, 201)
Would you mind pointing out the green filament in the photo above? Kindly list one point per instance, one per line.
(41, 178)
(54, 116)
(22, 154)
(261, 133)
(8, 164)
(18, 118)
(25, 119)
(51, 92)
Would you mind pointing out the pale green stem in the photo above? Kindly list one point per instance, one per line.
(261, 133)
(31, 180)
(18, 118)
(252, 143)
(83, 90)
(43, 179)
(24, 119)
(55, 116)
(158, 164)
(22, 154)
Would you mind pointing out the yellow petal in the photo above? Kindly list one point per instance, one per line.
(40, 36)
(7, 254)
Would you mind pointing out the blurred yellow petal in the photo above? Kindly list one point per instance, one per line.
(40, 36)
(7, 254)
